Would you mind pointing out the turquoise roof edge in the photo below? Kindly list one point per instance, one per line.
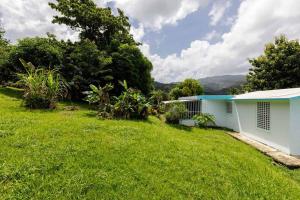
(215, 97)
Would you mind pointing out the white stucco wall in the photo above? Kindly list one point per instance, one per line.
(218, 109)
(294, 131)
(278, 135)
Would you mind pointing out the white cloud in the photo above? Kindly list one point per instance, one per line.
(138, 33)
(212, 35)
(156, 13)
(30, 18)
(257, 22)
(218, 11)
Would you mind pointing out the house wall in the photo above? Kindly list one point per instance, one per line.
(294, 135)
(278, 135)
(219, 110)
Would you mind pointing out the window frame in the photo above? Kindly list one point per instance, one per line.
(229, 107)
(265, 111)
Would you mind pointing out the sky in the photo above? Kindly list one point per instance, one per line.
(182, 38)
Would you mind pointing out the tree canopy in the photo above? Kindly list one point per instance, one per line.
(95, 23)
(105, 52)
(5, 49)
(189, 87)
(110, 33)
(277, 68)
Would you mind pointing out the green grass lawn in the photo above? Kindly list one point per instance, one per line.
(72, 155)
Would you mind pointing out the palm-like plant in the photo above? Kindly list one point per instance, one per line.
(100, 96)
(131, 104)
(42, 88)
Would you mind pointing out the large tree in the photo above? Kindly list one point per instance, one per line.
(189, 87)
(5, 49)
(83, 64)
(94, 23)
(277, 68)
(111, 34)
(40, 51)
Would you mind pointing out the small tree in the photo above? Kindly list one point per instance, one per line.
(156, 100)
(277, 68)
(188, 87)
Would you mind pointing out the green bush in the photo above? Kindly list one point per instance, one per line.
(205, 120)
(131, 104)
(156, 100)
(100, 96)
(174, 112)
(42, 88)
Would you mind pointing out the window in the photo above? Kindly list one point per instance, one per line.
(229, 107)
(263, 115)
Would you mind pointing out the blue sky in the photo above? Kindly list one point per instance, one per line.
(173, 38)
(182, 38)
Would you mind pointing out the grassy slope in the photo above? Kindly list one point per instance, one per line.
(72, 155)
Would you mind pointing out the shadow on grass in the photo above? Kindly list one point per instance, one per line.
(94, 114)
(180, 127)
(11, 92)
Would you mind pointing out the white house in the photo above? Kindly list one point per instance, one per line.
(270, 117)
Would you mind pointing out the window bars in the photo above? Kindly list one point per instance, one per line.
(263, 115)
(193, 108)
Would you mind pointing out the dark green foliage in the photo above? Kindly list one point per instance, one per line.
(131, 104)
(174, 112)
(94, 23)
(277, 68)
(128, 62)
(84, 64)
(188, 87)
(42, 87)
(100, 96)
(42, 52)
(105, 53)
(204, 120)
(110, 33)
(156, 99)
(5, 49)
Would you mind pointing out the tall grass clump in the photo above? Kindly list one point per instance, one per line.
(42, 87)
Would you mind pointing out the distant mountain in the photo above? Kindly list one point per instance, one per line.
(221, 84)
(212, 85)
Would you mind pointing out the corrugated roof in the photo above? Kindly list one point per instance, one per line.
(282, 94)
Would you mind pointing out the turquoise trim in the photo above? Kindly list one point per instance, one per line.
(263, 99)
(298, 97)
(215, 97)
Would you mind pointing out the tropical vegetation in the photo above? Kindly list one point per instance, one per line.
(105, 52)
(189, 87)
(175, 112)
(62, 154)
(42, 88)
(203, 120)
(277, 68)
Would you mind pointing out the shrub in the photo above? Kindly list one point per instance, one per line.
(174, 112)
(42, 88)
(100, 96)
(204, 120)
(156, 100)
(131, 104)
